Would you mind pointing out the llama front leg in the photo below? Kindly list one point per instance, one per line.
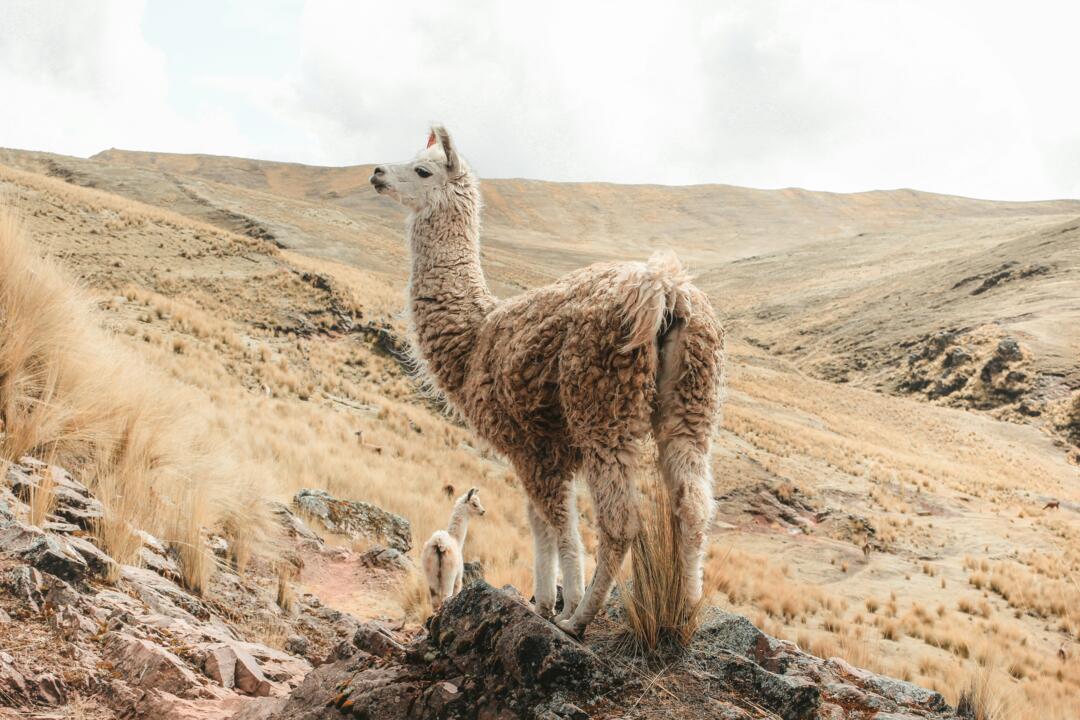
(688, 479)
(615, 502)
(544, 556)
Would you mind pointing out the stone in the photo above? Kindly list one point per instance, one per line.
(26, 585)
(74, 502)
(13, 687)
(297, 645)
(294, 527)
(146, 665)
(790, 697)
(162, 595)
(377, 640)
(473, 572)
(355, 518)
(47, 553)
(249, 676)
(161, 563)
(50, 689)
(385, 558)
(98, 562)
(220, 665)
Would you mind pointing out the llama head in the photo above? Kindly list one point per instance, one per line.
(429, 179)
(471, 501)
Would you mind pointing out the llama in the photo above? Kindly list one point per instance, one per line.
(566, 379)
(443, 556)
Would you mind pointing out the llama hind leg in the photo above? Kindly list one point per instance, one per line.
(570, 555)
(688, 480)
(544, 557)
(615, 503)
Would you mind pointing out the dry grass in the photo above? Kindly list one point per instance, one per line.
(658, 615)
(414, 598)
(288, 401)
(71, 393)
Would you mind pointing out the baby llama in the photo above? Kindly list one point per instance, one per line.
(443, 555)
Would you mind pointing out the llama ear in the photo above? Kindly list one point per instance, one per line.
(439, 132)
(472, 491)
(431, 139)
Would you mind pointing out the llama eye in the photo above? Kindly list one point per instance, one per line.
(423, 172)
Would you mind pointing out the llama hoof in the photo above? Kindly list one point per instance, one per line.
(545, 611)
(571, 629)
(566, 614)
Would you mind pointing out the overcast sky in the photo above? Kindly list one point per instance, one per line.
(970, 98)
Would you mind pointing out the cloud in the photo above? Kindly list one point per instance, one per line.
(80, 77)
(836, 95)
(965, 97)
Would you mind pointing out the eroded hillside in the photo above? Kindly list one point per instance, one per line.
(907, 536)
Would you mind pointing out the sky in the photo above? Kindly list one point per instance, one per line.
(967, 98)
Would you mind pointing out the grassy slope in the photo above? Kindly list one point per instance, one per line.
(954, 498)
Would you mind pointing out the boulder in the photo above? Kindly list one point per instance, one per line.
(96, 560)
(13, 686)
(220, 665)
(50, 689)
(48, 553)
(249, 678)
(385, 558)
(486, 655)
(355, 518)
(474, 571)
(26, 585)
(74, 502)
(148, 666)
(162, 595)
(373, 638)
(293, 526)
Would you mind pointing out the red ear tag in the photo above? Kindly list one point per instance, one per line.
(431, 139)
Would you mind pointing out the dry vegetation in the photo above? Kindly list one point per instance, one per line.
(199, 371)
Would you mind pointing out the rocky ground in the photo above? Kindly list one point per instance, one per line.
(86, 637)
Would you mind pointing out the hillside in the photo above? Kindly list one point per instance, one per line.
(865, 513)
(846, 287)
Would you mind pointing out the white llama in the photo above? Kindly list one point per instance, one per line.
(443, 557)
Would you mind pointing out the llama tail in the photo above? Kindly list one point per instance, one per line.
(655, 299)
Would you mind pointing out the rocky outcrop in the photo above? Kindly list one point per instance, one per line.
(355, 518)
(981, 369)
(131, 637)
(487, 655)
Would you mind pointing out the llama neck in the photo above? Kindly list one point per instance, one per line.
(459, 524)
(449, 296)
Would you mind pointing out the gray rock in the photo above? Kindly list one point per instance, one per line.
(249, 676)
(487, 655)
(13, 686)
(385, 558)
(146, 665)
(50, 689)
(297, 645)
(294, 527)
(26, 585)
(790, 697)
(474, 572)
(99, 563)
(48, 553)
(355, 518)
(373, 638)
(74, 501)
(220, 665)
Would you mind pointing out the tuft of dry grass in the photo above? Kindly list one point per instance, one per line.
(658, 614)
(70, 392)
(414, 598)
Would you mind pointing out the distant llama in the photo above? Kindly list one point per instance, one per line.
(566, 378)
(443, 556)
